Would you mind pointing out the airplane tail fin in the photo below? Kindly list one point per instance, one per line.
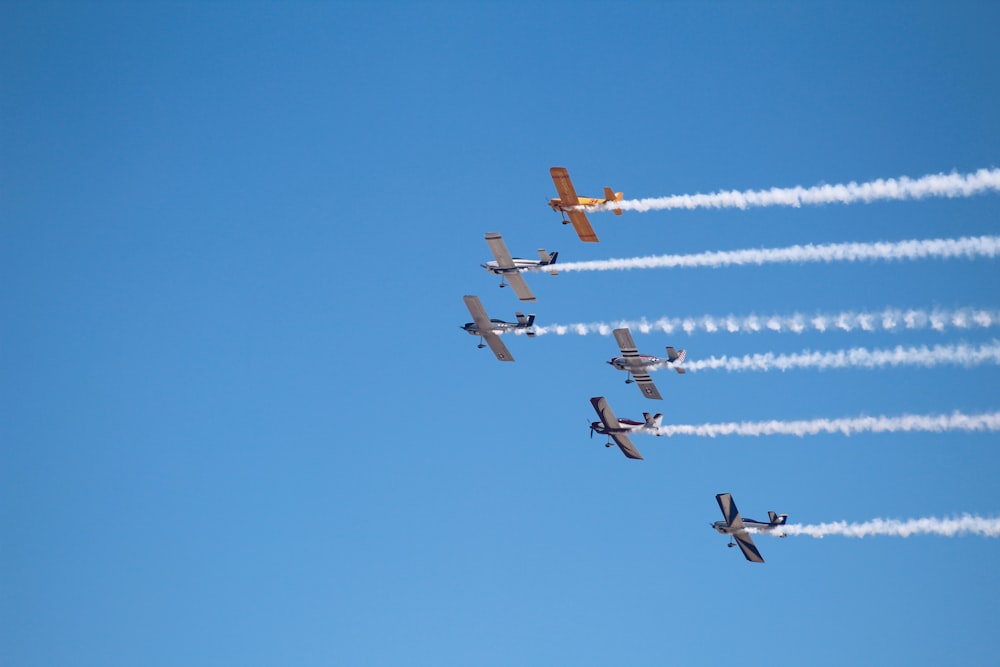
(548, 260)
(610, 196)
(677, 358)
(526, 322)
(777, 519)
(653, 421)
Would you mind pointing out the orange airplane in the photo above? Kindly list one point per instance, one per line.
(568, 203)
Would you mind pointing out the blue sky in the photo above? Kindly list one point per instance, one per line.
(240, 425)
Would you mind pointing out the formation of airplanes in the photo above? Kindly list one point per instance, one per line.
(637, 366)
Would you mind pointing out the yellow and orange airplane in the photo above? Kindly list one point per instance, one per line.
(568, 203)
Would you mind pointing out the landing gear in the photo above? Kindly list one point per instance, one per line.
(607, 444)
(629, 379)
(481, 344)
(731, 543)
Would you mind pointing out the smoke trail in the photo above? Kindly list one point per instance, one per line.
(956, 421)
(858, 357)
(933, 185)
(890, 319)
(964, 525)
(968, 247)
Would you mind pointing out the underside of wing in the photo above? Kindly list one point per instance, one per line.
(604, 412)
(646, 385)
(625, 342)
(499, 349)
(478, 313)
(729, 511)
(747, 546)
(582, 226)
(516, 280)
(624, 444)
(499, 250)
(564, 186)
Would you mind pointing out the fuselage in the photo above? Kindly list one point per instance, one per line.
(499, 327)
(759, 526)
(519, 265)
(635, 363)
(625, 426)
(557, 205)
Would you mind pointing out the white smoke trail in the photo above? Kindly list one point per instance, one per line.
(964, 525)
(889, 319)
(858, 357)
(968, 247)
(956, 421)
(933, 185)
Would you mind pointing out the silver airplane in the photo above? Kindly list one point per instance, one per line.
(510, 268)
(637, 365)
(488, 330)
(736, 527)
(618, 429)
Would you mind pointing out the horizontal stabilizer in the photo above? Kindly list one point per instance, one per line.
(548, 260)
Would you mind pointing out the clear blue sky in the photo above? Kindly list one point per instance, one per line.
(240, 425)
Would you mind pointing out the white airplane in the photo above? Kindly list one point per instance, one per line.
(510, 268)
(637, 364)
(618, 429)
(736, 527)
(489, 330)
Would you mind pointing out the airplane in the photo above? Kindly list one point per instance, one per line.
(636, 364)
(488, 329)
(736, 527)
(618, 429)
(568, 203)
(510, 268)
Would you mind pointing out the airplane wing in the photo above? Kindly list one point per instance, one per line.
(486, 328)
(516, 280)
(568, 199)
(564, 186)
(738, 532)
(627, 345)
(505, 261)
(582, 226)
(747, 546)
(499, 250)
(729, 511)
(625, 444)
(645, 383)
(608, 418)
